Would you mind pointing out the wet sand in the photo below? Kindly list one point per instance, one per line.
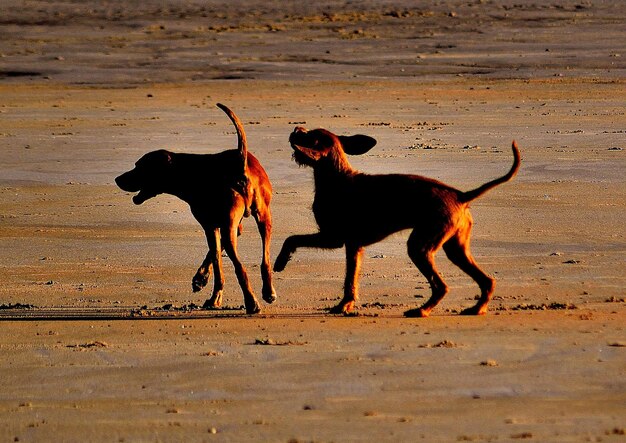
(86, 89)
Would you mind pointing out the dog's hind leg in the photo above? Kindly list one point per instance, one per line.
(230, 245)
(422, 250)
(264, 223)
(214, 257)
(354, 256)
(458, 251)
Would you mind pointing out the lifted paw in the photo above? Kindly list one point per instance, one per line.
(270, 298)
(281, 263)
(198, 282)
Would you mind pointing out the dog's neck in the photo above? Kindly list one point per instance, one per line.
(332, 170)
(186, 168)
(193, 171)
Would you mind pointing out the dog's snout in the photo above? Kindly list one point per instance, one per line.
(297, 132)
(127, 182)
(119, 180)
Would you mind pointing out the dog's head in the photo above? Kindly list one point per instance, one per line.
(147, 177)
(311, 147)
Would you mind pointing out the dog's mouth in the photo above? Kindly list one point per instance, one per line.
(128, 182)
(305, 148)
(300, 158)
(143, 195)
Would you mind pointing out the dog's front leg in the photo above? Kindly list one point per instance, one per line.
(214, 256)
(317, 240)
(354, 256)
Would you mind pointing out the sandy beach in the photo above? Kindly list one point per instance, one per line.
(100, 339)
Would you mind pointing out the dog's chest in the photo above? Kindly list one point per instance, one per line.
(330, 208)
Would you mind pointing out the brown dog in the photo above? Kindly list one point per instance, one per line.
(220, 189)
(354, 210)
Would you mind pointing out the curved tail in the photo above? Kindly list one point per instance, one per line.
(468, 196)
(242, 142)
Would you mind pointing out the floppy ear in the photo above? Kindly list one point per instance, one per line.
(357, 144)
(166, 156)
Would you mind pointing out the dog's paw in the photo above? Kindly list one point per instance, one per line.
(417, 313)
(270, 297)
(253, 309)
(342, 308)
(209, 305)
(475, 310)
(215, 302)
(281, 262)
(198, 282)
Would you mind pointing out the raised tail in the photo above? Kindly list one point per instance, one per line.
(242, 142)
(468, 196)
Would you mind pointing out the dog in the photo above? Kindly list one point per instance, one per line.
(221, 189)
(354, 210)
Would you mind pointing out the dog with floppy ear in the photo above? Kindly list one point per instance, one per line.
(221, 189)
(354, 210)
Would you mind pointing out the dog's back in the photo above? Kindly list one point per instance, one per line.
(204, 181)
(367, 199)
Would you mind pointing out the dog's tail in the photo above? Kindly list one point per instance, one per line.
(242, 142)
(468, 196)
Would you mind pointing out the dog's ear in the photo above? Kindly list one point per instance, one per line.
(356, 144)
(165, 156)
(155, 159)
